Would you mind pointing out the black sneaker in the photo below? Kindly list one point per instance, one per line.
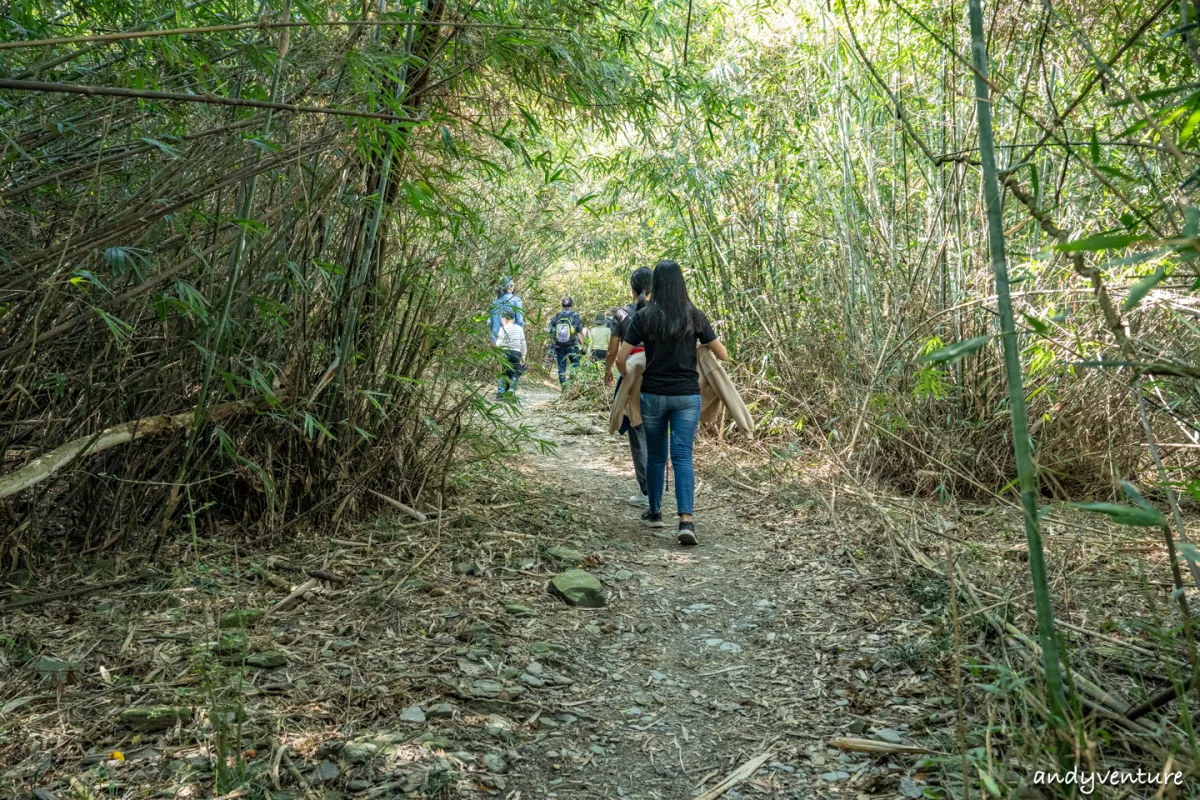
(687, 533)
(651, 519)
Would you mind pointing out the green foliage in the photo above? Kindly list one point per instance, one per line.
(332, 273)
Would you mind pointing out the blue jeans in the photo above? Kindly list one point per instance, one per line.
(562, 356)
(681, 415)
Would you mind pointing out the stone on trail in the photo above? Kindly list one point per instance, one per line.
(441, 711)
(154, 718)
(267, 660)
(55, 669)
(567, 555)
(487, 688)
(327, 771)
(624, 574)
(495, 763)
(472, 669)
(241, 618)
(835, 776)
(532, 680)
(412, 714)
(890, 736)
(577, 588)
(497, 725)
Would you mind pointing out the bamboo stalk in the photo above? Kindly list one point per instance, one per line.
(263, 25)
(179, 97)
(1022, 445)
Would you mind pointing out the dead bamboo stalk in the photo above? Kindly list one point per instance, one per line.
(737, 776)
(262, 25)
(178, 97)
(873, 746)
(47, 465)
(296, 594)
(412, 512)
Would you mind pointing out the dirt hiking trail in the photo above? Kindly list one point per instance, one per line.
(707, 658)
(438, 664)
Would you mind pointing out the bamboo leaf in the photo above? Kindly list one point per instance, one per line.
(953, 353)
(1124, 515)
(1142, 288)
(1133, 494)
(166, 148)
(1036, 324)
(1189, 127)
(1101, 241)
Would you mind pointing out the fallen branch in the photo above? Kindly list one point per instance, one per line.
(45, 466)
(262, 25)
(296, 594)
(178, 97)
(873, 746)
(737, 776)
(322, 575)
(412, 512)
(68, 593)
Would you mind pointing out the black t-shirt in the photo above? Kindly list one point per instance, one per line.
(670, 364)
(622, 319)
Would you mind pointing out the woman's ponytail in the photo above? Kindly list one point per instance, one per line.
(640, 282)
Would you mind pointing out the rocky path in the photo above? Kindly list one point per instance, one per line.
(706, 658)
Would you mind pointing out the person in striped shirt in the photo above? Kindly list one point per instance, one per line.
(511, 341)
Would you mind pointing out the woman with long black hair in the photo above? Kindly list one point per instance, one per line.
(670, 328)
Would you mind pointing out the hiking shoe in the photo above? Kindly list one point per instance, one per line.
(687, 533)
(651, 520)
(639, 500)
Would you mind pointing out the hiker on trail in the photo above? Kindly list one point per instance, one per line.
(670, 328)
(597, 338)
(511, 341)
(639, 283)
(566, 332)
(505, 301)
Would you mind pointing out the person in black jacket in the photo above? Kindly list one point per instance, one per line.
(670, 328)
(566, 332)
(639, 283)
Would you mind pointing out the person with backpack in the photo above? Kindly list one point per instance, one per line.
(505, 301)
(670, 328)
(639, 283)
(597, 338)
(566, 332)
(511, 341)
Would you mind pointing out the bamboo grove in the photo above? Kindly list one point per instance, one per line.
(245, 245)
(245, 249)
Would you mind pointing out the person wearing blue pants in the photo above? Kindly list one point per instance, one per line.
(505, 303)
(566, 332)
(670, 328)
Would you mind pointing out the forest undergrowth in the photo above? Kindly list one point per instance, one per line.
(389, 657)
(247, 253)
